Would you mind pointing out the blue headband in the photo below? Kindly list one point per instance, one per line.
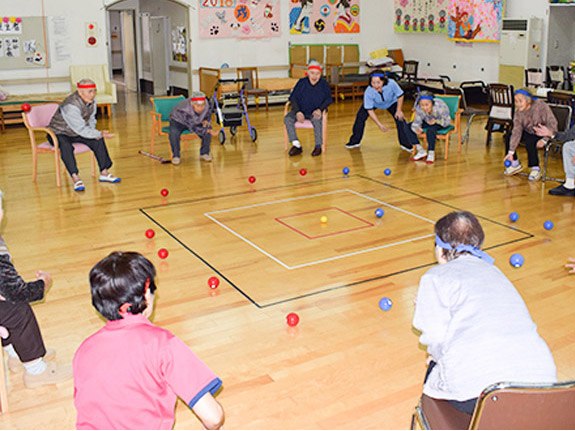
(525, 93)
(379, 75)
(475, 251)
(424, 97)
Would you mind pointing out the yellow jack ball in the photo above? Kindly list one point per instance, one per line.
(323, 219)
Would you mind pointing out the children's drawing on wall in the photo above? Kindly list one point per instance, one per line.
(10, 25)
(475, 20)
(421, 16)
(12, 47)
(324, 16)
(179, 47)
(239, 18)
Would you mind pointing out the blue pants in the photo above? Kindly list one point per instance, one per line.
(176, 130)
(430, 134)
(402, 133)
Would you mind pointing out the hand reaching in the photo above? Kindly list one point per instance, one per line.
(300, 117)
(47, 278)
(316, 114)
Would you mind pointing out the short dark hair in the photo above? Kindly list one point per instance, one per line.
(119, 278)
(459, 228)
(378, 72)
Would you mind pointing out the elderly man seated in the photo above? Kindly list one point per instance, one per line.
(75, 122)
(568, 136)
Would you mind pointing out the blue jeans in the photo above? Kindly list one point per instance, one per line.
(176, 130)
(430, 133)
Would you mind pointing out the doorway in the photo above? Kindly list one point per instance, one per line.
(123, 48)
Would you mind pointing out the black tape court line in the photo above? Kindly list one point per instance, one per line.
(331, 289)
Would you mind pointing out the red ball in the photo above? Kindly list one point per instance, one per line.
(150, 233)
(162, 253)
(302, 172)
(292, 319)
(26, 107)
(213, 282)
(164, 192)
(252, 179)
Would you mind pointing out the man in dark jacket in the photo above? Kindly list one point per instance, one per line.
(567, 188)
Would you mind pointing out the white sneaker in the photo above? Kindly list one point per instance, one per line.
(109, 179)
(420, 155)
(176, 160)
(430, 157)
(409, 150)
(535, 174)
(206, 157)
(512, 170)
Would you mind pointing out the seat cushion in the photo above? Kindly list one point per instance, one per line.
(307, 124)
(444, 130)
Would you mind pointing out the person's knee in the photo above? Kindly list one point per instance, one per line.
(569, 148)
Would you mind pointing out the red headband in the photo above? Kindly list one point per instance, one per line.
(85, 85)
(197, 99)
(314, 67)
(124, 307)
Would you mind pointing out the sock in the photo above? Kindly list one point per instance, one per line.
(431, 153)
(419, 148)
(9, 349)
(296, 143)
(515, 163)
(35, 368)
(569, 183)
(535, 168)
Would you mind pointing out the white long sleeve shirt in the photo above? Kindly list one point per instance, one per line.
(478, 330)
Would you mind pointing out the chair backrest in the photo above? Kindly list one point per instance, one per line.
(533, 78)
(522, 406)
(556, 77)
(96, 73)
(164, 105)
(452, 103)
(209, 81)
(454, 91)
(251, 74)
(40, 115)
(410, 69)
(334, 72)
(397, 56)
(563, 114)
(561, 98)
(476, 92)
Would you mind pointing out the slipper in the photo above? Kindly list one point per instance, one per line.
(79, 186)
(109, 179)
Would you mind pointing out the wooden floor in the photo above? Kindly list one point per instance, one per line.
(347, 365)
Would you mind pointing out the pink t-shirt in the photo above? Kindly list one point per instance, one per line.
(129, 374)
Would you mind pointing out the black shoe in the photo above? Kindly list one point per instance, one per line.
(316, 152)
(351, 146)
(562, 191)
(294, 151)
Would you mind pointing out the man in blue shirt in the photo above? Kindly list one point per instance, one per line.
(382, 93)
(309, 100)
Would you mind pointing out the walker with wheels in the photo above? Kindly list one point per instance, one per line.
(231, 114)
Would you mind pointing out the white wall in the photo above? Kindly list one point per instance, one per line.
(561, 49)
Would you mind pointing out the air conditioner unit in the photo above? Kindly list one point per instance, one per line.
(519, 49)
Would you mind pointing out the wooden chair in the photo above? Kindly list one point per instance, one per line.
(3, 385)
(252, 86)
(409, 76)
(163, 105)
(563, 114)
(455, 126)
(307, 124)
(534, 78)
(37, 120)
(334, 72)
(468, 111)
(501, 109)
(511, 406)
(562, 98)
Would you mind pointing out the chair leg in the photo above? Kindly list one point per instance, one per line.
(286, 139)
(446, 145)
(58, 173)
(93, 157)
(3, 387)
(466, 134)
(267, 101)
(153, 137)
(545, 164)
(34, 166)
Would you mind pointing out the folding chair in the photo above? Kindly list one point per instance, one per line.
(468, 111)
(563, 114)
(562, 98)
(409, 76)
(307, 124)
(455, 126)
(511, 406)
(534, 78)
(252, 86)
(338, 86)
(501, 109)
(556, 77)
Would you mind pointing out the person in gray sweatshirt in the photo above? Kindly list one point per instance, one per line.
(568, 136)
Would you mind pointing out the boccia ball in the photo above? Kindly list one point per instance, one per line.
(516, 260)
(213, 282)
(385, 304)
(548, 225)
(323, 219)
(26, 107)
(164, 192)
(162, 253)
(252, 179)
(150, 233)
(379, 213)
(507, 163)
(345, 170)
(513, 216)
(302, 172)
(292, 319)
(387, 172)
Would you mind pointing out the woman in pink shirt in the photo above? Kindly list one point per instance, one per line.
(129, 374)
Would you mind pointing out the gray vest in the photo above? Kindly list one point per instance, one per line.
(59, 125)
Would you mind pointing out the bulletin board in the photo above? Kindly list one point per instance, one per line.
(22, 43)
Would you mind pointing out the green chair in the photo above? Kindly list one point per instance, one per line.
(452, 103)
(161, 115)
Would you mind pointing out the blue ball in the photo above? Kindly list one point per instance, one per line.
(516, 260)
(548, 225)
(385, 304)
(345, 170)
(507, 163)
(379, 213)
(513, 216)
(387, 172)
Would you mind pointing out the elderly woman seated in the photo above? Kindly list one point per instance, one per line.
(529, 114)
